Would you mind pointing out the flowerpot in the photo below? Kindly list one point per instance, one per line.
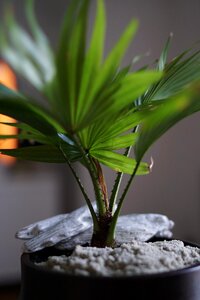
(41, 284)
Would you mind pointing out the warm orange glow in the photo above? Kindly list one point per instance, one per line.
(7, 77)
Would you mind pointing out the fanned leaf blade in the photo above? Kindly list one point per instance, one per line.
(44, 153)
(27, 70)
(118, 162)
(118, 96)
(40, 37)
(111, 64)
(108, 71)
(28, 113)
(163, 57)
(92, 61)
(5, 91)
(38, 65)
(76, 51)
(22, 126)
(111, 105)
(50, 154)
(123, 124)
(165, 116)
(178, 74)
(133, 86)
(70, 58)
(116, 143)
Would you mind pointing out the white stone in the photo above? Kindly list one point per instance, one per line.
(68, 230)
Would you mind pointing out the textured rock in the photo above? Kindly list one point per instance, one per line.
(68, 230)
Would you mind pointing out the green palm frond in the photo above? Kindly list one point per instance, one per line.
(119, 163)
(166, 115)
(17, 106)
(177, 75)
(17, 45)
(90, 98)
(43, 153)
(164, 54)
(113, 101)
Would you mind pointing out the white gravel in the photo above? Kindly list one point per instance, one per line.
(128, 259)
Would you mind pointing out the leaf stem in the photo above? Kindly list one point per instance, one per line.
(94, 176)
(97, 188)
(102, 183)
(116, 187)
(88, 201)
(118, 180)
(110, 237)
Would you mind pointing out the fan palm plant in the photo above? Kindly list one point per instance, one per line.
(95, 111)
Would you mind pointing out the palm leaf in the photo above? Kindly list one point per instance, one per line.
(27, 70)
(70, 58)
(111, 103)
(178, 74)
(5, 91)
(93, 60)
(30, 114)
(165, 116)
(40, 39)
(43, 153)
(123, 124)
(118, 162)
(38, 67)
(164, 54)
(107, 73)
(76, 52)
(24, 136)
(116, 143)
(22, 126)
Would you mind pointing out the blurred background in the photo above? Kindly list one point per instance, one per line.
(31, 192)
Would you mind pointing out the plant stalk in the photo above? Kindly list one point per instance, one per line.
(118, 180)
(93, 174)
(88, 201)
(102, 183)
(111, 233)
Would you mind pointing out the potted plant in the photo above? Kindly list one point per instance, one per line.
(94, 113)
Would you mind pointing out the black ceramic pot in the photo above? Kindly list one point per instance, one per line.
(40, 284)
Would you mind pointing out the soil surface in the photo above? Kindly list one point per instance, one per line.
(128, 259)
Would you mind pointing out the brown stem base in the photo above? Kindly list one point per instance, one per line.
(100, 237)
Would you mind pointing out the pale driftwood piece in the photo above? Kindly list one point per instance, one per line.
(37, 228)
(55, 232)
(140, 227)
(67, 230)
